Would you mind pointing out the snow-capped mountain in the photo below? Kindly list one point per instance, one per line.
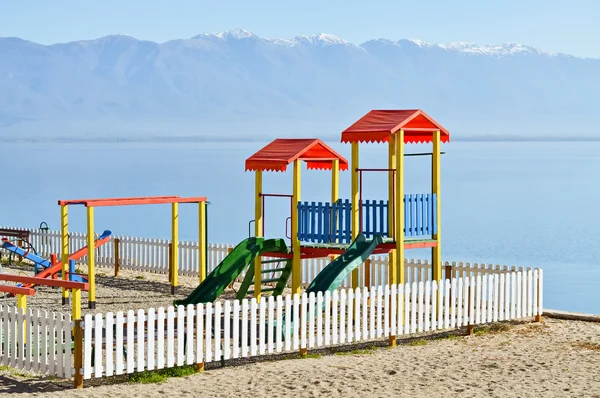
(199, 85)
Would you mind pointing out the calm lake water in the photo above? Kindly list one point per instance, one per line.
(524, 204)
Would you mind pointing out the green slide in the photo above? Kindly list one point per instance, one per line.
(332, 276)
(241, 257)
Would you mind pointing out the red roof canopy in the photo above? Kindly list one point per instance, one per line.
(142, 200)
(283, 151)
(379, 125)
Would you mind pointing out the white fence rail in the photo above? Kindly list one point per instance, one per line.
(131, 342)
(152, 255)
(36, 341)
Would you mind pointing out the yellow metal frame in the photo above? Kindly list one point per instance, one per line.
(22, 301)
(258, 228)
(399, 206)
(436, 252)
(64, 237)
(202, 241)
(296, 253)
(355, 204)
(393, 269)
(335, 181)
(175, 250)
(91, 257)
(91, 243)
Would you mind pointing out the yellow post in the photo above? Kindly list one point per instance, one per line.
(393, 269)
(392, 266)
(335, 191)
(175, 242)
(399, 208)
(202, 241)
(76, 305)
(91, 258)
(258, 228)
(22, 305)
(436, 252)
(64, 237)
(22, 302)
(355, 205)
(296, 259)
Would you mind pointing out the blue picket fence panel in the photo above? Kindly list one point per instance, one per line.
(323, 222)
(375, 218)
(420, 218)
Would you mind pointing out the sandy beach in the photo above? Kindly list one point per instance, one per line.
(555, 358)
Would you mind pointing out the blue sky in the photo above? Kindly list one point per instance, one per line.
(557, 26)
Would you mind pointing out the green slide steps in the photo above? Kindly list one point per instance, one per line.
(225, 273)
(281, 280)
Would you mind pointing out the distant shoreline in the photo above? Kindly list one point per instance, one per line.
(179, 140)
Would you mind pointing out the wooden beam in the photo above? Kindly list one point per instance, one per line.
(24, 291)
(45, 282)
(144, 200)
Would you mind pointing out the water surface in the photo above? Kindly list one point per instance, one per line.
(524, 204)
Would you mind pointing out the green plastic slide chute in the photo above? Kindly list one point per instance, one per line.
(333, 275)
(242, 256)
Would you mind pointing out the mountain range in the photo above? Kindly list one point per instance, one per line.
(236, 85)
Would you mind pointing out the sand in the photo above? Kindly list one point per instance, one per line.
(555, 358)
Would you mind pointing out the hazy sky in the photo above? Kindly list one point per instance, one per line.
(557, 26)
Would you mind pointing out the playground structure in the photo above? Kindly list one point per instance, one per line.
(339, 229)
(327, 229)
(90, 204)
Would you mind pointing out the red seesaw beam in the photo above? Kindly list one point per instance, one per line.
(57, 267)
(25, 291)
(45, 282)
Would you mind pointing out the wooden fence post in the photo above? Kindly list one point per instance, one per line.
(116, 255)
(367, 279)
(78, 355)
(448, 271)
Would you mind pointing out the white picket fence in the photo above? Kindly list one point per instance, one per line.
(36, 341)
(156, 339)
(124, 343)
(152, 255)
